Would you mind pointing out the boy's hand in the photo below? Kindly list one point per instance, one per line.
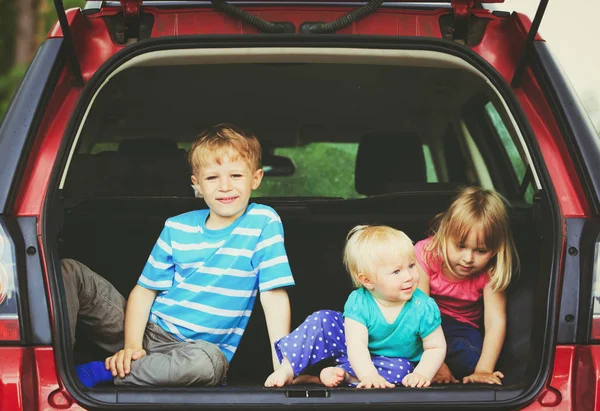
(120, 363)
(374, 381)
(484, 378)
(414, 379)
(444, 375)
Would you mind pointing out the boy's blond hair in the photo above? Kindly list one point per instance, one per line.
(224, 141)
(367, 247)
(484, 210)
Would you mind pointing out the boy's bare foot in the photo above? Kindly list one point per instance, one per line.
(284, 375)
(332, 376)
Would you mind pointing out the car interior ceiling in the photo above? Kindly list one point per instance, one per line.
(114, 203)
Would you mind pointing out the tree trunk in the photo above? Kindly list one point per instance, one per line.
(26, 30)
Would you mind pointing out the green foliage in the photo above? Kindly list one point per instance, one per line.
(8, 85)
(48, 15)
(322, 170)
(10, 76)
(7, 28)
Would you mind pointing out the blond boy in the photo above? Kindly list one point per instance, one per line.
(185, 317)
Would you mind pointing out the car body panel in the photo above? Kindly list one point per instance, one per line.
(575, 379)
(26, 369)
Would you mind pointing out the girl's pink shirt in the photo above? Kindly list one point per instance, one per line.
(461, 300)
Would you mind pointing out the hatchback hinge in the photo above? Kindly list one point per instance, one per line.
(462, 11)
(131, 20)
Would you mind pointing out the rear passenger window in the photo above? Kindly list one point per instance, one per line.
(510, 146)
(432, 176)
(517, 159)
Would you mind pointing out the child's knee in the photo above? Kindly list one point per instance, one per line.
(72, 276)
(74, 272)
(327, 319)
(463, 356)
(318, 314)
(69, 267)
(206, 365)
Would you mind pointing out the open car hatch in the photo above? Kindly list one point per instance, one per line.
(132, 11)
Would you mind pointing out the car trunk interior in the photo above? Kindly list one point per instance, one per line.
(112, 210)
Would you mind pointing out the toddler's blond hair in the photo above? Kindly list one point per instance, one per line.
(367, 247)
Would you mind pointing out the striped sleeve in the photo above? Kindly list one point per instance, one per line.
(159, 270)
(270, 259)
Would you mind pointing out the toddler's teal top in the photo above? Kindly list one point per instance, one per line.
(403, 338)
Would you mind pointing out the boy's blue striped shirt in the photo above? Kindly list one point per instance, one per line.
(209, 278)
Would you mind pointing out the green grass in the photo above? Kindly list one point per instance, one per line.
(322, 170)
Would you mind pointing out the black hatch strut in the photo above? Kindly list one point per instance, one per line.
(535, 25)
(68, 39)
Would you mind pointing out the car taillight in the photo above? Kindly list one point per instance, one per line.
(9, 308)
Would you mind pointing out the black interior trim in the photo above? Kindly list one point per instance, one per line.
(586, 253)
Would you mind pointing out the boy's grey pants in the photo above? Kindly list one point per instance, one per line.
(94, 301)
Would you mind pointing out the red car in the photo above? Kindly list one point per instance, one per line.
(367, 113)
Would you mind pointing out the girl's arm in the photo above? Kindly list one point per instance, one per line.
(357, 342)
(434, 346)
(276, 305)
(494, 316)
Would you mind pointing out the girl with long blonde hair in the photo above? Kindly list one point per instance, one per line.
(468, 261)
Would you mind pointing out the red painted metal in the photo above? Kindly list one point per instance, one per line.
(462, 8)
(28, 381)
(9, 329)
(51, 394)
(596, 329)
(595, 387)
(11, 360)
(574, 383)
(131, 8)
(131, 13)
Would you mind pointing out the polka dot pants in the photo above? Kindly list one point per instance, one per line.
(392, 369)
(321, 336)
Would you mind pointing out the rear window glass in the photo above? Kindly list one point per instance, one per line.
(323, 170)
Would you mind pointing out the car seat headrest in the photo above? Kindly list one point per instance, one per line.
(386, 162)
(145, 146)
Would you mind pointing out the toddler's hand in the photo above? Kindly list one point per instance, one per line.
(484, 378)
(444, 375)
(374, 381)
(414, 379)
(120, 363)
